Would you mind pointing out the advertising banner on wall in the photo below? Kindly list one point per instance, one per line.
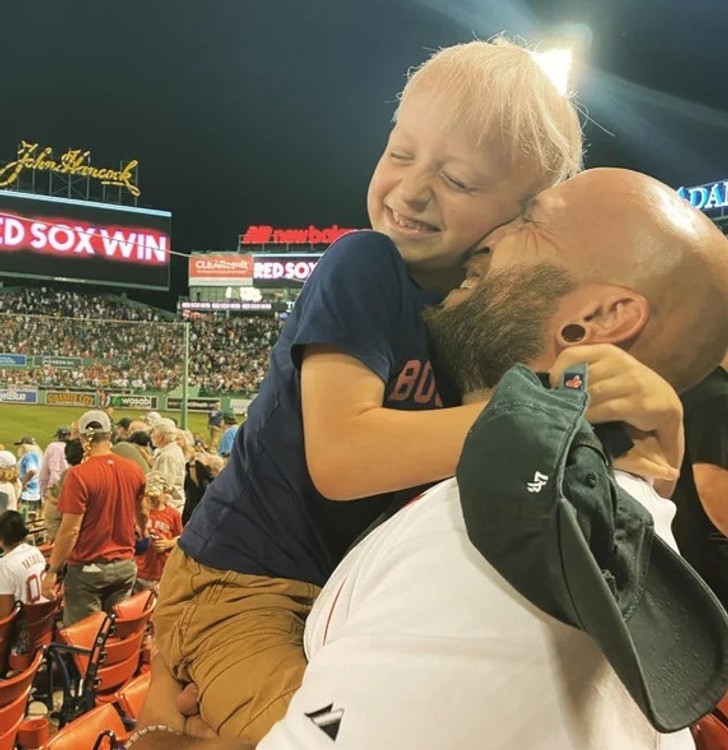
(63, 239)
(233, 306)
(18, 396)
(70, 398)
(264, 234)
(240, 405)
(193, 404)
(13, 360)
(283, 270)
(130, 401)
(220, 269)
(708, 197)
(58, 361)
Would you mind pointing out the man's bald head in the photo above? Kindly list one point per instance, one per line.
(137, 425)
(638, 233)
(612, 253)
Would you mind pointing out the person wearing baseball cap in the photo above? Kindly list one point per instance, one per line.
(29, 455)
(101, 504)
(231, 425)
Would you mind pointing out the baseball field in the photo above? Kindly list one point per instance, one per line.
(41, 422)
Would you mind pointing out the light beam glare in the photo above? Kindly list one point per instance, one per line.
(556, 64)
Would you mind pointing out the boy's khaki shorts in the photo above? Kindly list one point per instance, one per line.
(238, 637)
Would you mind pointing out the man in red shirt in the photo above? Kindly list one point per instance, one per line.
(102, 502)
(164, 526)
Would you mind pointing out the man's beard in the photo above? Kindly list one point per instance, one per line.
(503, 322)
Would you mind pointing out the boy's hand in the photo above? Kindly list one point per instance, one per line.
(172, 704)
(621, 389)
(162, 545)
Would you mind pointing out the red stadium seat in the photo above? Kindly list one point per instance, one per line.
(20, 683)
(7, 626)
(96, 657)
(710, 734)
(40, 621)
(99, 728)
(9, 736)
(130, 698)
(138, 604)
(721, 709)
(13, 713)
(77, 656)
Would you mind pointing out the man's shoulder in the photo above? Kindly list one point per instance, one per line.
(124, 449)
(713, 389)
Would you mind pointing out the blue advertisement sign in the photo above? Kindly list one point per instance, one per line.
(706, 197)
(13, 360)
(18, 396)
(58, 361)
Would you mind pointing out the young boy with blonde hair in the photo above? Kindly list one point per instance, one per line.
(349, 412)
(164, 527)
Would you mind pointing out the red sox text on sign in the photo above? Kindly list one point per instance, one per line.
(83, 239)
(280, 267)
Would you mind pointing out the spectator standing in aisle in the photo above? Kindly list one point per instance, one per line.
(122, 431)
(9, 481)
(164, 527)
(231, 430)
(29, 455)
(214, 425)
(202, 468)
(53, 463)
(73, 454)
(136, 445)
(102, 503)
(169, 460)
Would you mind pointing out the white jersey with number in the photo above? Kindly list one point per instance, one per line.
(21, 571)
(417, 643)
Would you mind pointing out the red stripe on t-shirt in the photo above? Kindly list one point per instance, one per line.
(331, 612)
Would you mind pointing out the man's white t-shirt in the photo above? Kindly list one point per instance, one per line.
(21, 571)
(417, 643)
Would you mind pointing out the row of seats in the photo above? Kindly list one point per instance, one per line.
(101, 664)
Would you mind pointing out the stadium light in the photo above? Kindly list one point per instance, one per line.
(557, 64)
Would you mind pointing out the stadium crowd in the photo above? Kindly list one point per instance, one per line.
(133, 347)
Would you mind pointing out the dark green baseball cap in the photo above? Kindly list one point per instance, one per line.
(542, 506)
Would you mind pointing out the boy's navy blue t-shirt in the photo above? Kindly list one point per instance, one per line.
(262, 515)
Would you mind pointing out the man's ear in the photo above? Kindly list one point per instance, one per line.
(612, 315)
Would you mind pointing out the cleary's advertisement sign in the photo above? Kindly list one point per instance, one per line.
(220, 269)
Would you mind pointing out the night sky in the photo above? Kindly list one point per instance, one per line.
(274, 111)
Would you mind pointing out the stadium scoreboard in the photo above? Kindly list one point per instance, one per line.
(63, 239)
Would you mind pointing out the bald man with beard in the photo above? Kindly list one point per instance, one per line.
(417, 641)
